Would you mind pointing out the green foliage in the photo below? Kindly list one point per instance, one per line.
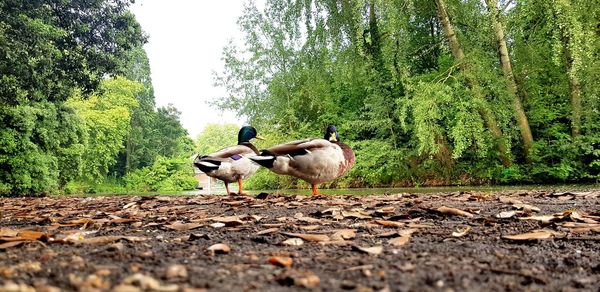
(49, 51)
(382, 72)
(215, 137)
(106, 117)
(166, 174)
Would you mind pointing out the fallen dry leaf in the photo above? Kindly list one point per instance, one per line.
(454, 211)
(461, 232)
(576, 216)
(229, 221)
(387, 234)
(280, 261)
(388, 223)
(509, 200)
(196, 236)
(538, 234)
(306, 279)
(506, 214)
(308, 237)
(356, 214)
(109, 239)
(6, 232)
(219, 248)
(375, 250)
(147, 283)
(176, 271)
(293, 241)
(543, 218)
(310, 227)
(10, 287)
(526, 207)
(399, 241)
(267, 231)
(344, 234)
(10, 244)
(179, 226)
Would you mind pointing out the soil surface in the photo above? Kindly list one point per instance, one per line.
(462, 241)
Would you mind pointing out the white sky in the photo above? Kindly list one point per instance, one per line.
(186, 38)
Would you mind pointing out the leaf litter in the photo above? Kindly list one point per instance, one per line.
(158, 243)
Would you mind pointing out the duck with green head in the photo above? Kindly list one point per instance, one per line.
(231, 164)
(313, 160)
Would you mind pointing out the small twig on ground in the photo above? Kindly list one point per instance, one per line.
(356, 268)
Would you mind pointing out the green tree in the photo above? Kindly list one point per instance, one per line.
(106, 117)
(48, 51)
(215, 137)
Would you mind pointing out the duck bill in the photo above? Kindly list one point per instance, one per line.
(259, 137)
(333, 138)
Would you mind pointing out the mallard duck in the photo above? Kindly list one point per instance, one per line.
(231, 164)
(312, 160)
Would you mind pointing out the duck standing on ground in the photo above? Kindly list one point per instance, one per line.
(312, 160)
(231, 164)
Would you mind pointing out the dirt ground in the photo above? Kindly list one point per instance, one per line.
(461, 241)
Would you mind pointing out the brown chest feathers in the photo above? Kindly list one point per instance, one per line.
(349, 158)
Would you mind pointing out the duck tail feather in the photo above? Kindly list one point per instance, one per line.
(264, 160)
(207, 166)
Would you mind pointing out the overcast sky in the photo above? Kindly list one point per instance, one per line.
(184, 48)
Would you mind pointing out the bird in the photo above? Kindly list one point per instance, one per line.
(313, 160)
(231, 163)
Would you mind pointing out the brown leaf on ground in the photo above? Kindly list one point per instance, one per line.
(11, 286)
(453, 211)
(308, 237)
(234, 203)
(6, 232)
(356, 214)
(146, 283)
(293, 241)
(506, 214)
(509, 200)
(285, 262)
(267, 231)
(543, 218)
(461, 232)
(387, 234)
(22, 235)
(301, 217)
(306, 279)
(10, 244)
(374, 250)
(176, 271)
(533, 235)
(310, 227)
(581, 227)
(526, 207)
(388, 223)
(399, 241)
(343, 234)
(229, 221)
(179, 226)
(219, 248)
(109, 239)
(577, 216)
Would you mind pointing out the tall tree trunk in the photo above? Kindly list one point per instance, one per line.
(574, 87)
(572, 42)
(511, 85)
(458, 54)
(128, 151)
